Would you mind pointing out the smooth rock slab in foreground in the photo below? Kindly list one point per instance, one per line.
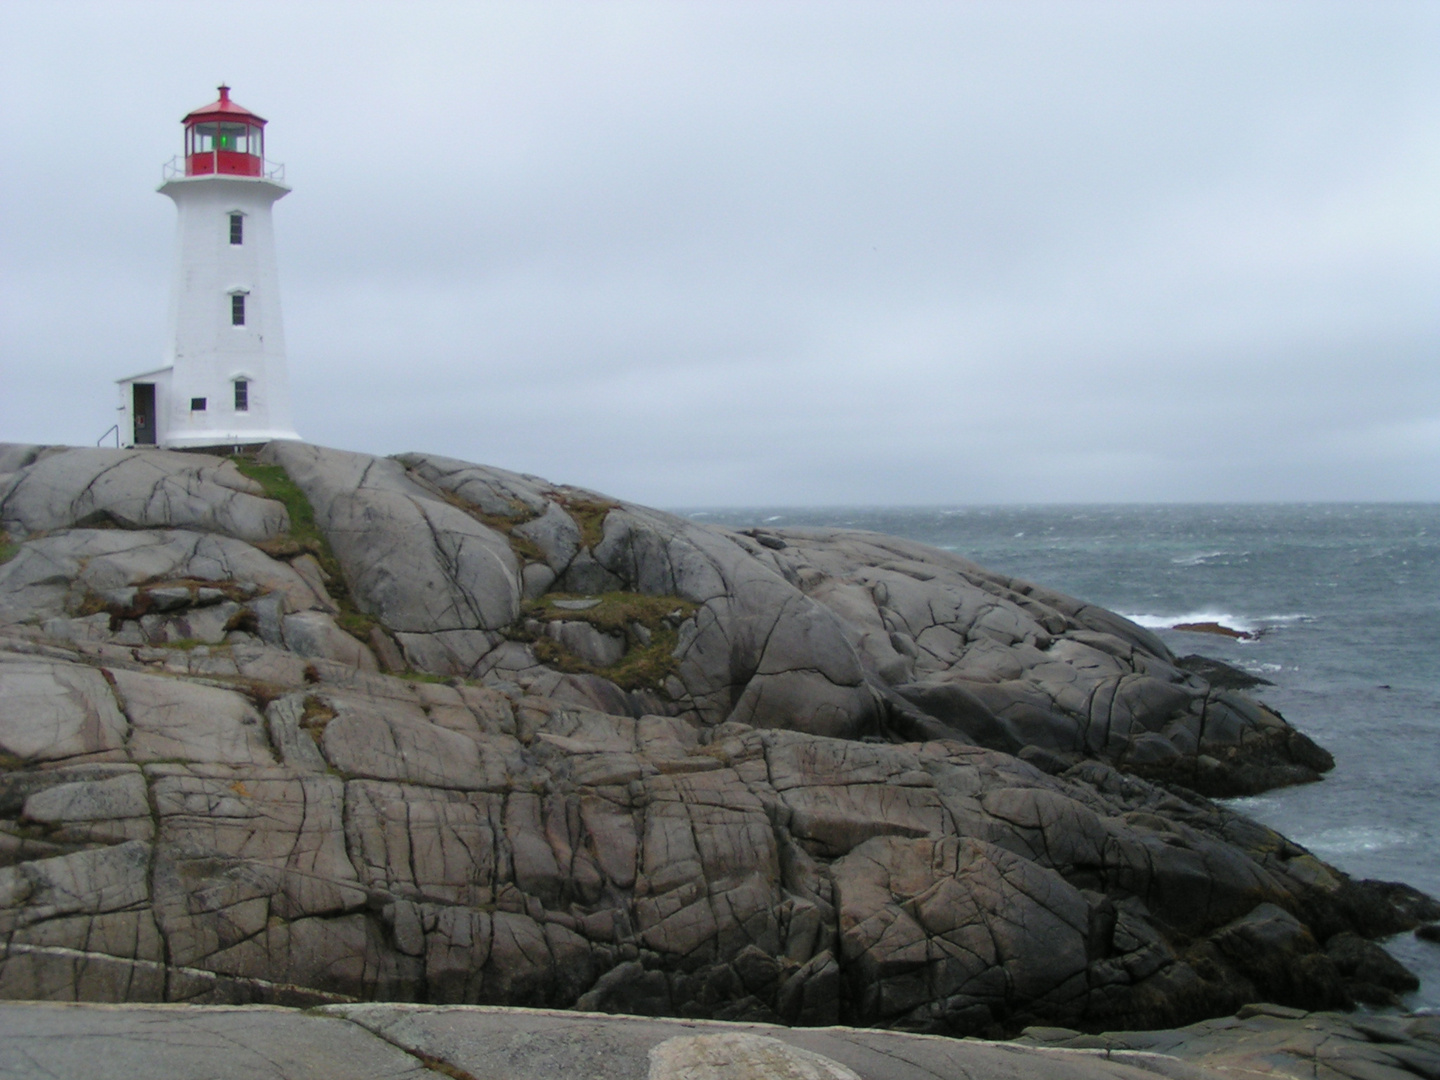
(409, 1042)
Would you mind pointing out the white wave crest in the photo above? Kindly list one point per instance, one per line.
(1247, 624)
(1353, 839)
(1199, 559)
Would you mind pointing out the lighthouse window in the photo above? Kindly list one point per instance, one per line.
(237, 309)
(204, 138)
(235, 138)
(197, 404)
(237, 228)
(242, 395)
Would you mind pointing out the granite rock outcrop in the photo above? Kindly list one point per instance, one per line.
(326, 727)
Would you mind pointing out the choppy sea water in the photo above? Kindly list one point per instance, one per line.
(1347, 602)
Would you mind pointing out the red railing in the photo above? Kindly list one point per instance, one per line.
(222, 163)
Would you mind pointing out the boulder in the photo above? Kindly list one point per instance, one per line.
(64, 487)
(416, 562)
(78, 570)
(314, 633)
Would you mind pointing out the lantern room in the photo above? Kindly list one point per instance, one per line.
(224, 139)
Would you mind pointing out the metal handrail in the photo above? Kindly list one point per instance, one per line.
(174, 169)
(116, 429)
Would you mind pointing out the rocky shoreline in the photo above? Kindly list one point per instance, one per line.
(320, 727)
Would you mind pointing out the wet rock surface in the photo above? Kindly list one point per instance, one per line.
(523, 744)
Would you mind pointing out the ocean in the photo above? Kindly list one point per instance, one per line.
(1344, 600)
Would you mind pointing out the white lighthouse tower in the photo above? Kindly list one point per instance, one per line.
(224, 382)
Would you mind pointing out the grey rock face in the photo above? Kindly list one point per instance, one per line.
(53, 711)
(414, 561)
(370, 837)
(589, 644)
(314, 633)
(57, 575)
(857, 780)
(172, 720)
(63, 487)
(1007, 664)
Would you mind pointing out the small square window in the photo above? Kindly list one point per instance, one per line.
(242, 395)
(197, 404)
(237, 309)
(237, 228)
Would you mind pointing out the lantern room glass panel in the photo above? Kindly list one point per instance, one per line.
(235, 138)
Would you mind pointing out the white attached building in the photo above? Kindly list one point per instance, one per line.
(224, 382)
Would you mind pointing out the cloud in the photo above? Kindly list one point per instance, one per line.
(782, 253)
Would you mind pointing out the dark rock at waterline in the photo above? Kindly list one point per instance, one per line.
(1265, 1039)
(1217, 628)
(1220, 674)
(770, 781)
(1392, 906)
(1372, 974)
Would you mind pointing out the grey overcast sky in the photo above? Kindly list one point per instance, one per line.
(770, 253)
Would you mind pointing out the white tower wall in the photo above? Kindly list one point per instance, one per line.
(207, 352)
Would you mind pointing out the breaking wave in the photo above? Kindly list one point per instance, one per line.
(1201, 558)
(1245, 624)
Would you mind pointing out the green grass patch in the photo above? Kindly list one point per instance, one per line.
(305, 537)
(646, 664)
(356, 623)
(279, 486)
(8, 548)
(183, 644)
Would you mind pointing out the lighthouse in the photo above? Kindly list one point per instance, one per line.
(224, 381)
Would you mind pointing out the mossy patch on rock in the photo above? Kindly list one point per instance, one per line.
(306, 538)
(525, 549)
(314, 716)
(589, 515)
(650, 626)
(8, 548)
(278, 486)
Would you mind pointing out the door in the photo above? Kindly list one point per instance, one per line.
(143, 411)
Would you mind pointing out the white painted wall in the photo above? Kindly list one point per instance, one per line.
(206, 352)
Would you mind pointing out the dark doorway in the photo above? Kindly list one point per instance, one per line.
(143, 410)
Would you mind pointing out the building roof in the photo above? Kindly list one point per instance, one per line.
(223, 109)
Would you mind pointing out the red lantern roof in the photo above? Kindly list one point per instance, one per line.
(224, 109)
